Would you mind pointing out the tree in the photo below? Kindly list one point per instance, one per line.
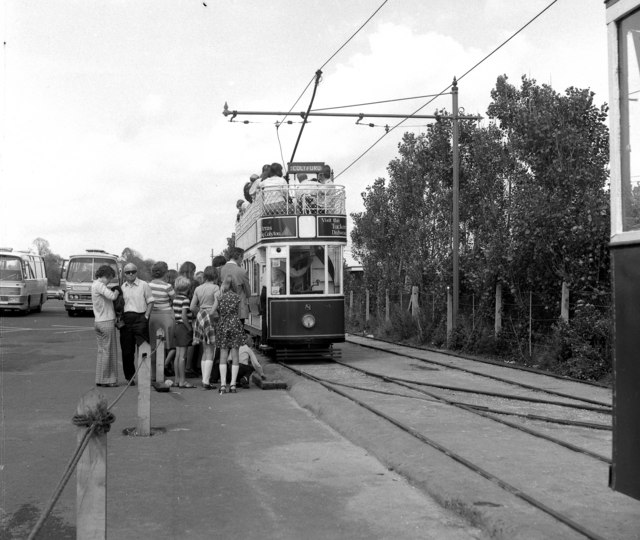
(534, 205)
(52, 261)
(144, 266)
(559, 211)
(231, 243)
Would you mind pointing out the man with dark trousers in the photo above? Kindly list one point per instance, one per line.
(138, 301)
(240, 278)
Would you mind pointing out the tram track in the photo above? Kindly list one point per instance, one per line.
(477, 468)
(472, 409)
(604, 409)
(485, 375)
(550, 419)
(480, 360)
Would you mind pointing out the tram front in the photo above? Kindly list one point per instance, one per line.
(294, 236)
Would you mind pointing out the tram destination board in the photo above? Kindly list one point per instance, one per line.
(306, 167)
(332, 227)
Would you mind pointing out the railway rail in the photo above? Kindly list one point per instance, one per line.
(384, 393)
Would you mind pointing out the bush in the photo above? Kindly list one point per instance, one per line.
(581, 348)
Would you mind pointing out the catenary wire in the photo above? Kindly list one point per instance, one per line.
(379, 102)
(326, 62)
(445, 89)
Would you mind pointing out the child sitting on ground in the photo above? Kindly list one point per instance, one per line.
(248, 364)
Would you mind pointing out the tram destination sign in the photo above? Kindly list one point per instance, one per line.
(279, 227)
(306, 167)
(332, 227)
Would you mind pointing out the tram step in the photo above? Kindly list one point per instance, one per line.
(266, 384)
(308, 354)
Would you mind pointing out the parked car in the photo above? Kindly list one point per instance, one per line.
(55, 294)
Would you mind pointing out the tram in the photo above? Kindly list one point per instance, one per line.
(294, 238)
(623, 30)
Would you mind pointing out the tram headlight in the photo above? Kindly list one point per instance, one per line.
(308, 320)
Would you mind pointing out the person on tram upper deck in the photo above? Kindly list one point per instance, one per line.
(266, 171)
(247, 190)
(242, 207)
(307, 196)
(326, 176)
(275, 190)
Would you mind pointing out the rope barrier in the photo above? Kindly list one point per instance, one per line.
(100, 419)
(97, 421)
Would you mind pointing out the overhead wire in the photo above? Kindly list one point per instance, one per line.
(379, 102)
(486, 57)
(278, 124)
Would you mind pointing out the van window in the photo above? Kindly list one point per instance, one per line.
(10, 268)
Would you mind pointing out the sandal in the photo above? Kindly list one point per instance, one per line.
(187, 385)
(223, 389)
(232, 389)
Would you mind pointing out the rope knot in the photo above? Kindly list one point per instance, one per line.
(100, 417)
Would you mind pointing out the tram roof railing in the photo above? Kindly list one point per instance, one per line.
(293, 200)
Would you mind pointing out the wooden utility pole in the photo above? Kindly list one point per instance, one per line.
(455, 223)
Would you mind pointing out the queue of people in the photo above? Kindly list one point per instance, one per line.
(201, 316)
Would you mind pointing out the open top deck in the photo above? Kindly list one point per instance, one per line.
(294, 211)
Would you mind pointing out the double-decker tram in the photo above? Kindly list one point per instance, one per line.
(294, 236)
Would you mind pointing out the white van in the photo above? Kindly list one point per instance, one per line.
(23, 281)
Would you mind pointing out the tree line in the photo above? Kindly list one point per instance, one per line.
(53, 262)
(534, 206)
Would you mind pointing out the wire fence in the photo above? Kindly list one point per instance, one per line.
(570, 334)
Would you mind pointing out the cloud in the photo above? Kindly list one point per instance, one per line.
(122, 151)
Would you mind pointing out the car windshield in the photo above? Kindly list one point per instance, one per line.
(10, 268)
(83, 269)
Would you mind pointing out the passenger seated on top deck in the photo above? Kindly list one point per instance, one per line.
(308, 198)
(326, 176)
(253, 179)
(275, 191)
(330, 198)
(266, 172)
(242, 208)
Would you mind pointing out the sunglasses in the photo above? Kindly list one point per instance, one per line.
(129, 272)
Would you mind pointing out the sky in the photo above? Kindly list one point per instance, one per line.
(112, 133)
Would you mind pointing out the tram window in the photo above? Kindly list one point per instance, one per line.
(255, 288)
(335, 269)
(278, 276)
(630, 120)
(306, 269)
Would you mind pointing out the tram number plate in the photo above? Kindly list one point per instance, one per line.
(332, 226)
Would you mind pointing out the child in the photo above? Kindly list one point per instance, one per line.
(184, 330)
(248, 363)
(230, 333)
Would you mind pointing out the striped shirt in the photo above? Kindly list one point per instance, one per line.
(163, 294)
(180, 301)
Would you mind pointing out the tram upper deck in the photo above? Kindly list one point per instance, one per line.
(293, 211)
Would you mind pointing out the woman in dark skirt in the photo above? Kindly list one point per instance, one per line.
(229, 333)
